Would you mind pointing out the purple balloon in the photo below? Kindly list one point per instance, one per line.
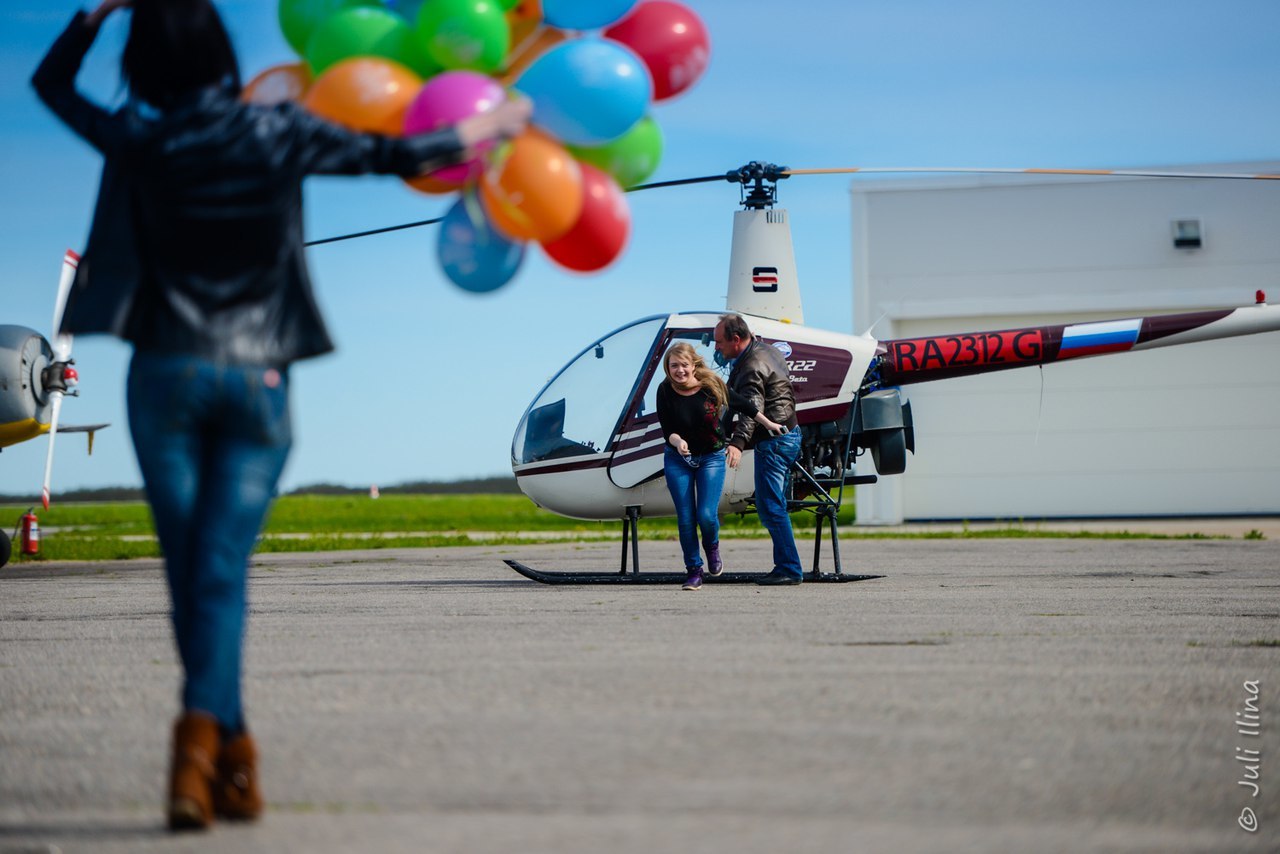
(446, 98)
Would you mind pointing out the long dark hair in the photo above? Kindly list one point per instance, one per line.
(176, 47)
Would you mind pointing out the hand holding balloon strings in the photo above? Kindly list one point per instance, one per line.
(505, 121)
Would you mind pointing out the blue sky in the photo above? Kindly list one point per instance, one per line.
(429, 382)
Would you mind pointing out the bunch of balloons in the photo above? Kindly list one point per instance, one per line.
(592, 68)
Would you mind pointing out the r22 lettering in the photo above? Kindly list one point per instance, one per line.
(801, 365)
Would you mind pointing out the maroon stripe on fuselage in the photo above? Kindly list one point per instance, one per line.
(620, 459)
(581, 465)
(650, 433)
(1162, 326)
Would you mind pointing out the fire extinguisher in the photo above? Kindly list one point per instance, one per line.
(30, 533)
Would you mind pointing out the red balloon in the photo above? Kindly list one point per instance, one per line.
(601, 232)
(671, 40)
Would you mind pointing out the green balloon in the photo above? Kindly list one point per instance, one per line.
(465, 34)
(631, 158)
(367, 31)
(298, 18)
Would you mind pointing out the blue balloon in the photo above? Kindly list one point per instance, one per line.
(584, 14)
(473, 255)
(587, 91)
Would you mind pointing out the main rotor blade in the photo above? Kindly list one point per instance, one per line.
(677, 183)
(53, 434)
(62, 343)
(1123, 173)
(882, 170)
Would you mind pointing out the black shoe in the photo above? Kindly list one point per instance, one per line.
(776, 578)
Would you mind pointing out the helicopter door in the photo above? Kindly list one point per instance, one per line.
(638, 445)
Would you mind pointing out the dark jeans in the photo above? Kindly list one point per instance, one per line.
(211, 441)
(695, 488)
(774, 457)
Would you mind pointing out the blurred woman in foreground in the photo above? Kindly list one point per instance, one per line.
(196, 257)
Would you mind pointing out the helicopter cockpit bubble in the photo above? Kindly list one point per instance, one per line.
(577, 412)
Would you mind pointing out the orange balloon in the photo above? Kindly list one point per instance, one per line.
(364, 93)
(535, 191)
(277, 84)
(525, 51)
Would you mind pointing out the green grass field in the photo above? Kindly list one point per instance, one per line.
(119, 530)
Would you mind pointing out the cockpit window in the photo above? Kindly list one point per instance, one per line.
(577, 412)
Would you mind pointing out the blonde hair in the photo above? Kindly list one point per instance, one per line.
(706, 377)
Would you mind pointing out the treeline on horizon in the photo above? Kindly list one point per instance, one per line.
(473, 486)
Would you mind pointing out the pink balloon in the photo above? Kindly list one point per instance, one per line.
(446, 98)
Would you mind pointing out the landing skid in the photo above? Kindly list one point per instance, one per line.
(625, 577)
(633, 575)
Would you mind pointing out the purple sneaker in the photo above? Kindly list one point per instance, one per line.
(715, 565)
(694, 581)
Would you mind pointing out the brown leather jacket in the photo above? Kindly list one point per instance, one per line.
(760, 374)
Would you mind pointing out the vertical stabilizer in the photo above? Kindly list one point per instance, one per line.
(762, 267)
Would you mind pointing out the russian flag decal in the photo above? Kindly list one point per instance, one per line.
(1090, 339)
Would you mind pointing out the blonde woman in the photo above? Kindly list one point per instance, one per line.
(690, 407)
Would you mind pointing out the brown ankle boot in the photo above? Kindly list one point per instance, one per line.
(195, 752)
(235, 792)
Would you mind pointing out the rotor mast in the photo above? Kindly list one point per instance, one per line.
(762, 266)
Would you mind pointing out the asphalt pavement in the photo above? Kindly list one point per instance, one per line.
(984, 695)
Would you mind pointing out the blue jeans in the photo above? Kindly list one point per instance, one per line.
(211, 441)
(774, 457)
(695, 489)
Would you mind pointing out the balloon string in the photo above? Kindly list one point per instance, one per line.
(475, 213)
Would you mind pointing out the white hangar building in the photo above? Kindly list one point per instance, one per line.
(1184, 430)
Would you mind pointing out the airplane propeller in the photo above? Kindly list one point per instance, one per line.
(59, 378)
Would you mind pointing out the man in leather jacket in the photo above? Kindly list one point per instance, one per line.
(760, 374)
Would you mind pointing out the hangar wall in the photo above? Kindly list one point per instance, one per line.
(1189, 430)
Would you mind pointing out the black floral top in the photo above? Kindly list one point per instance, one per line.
(695, 417)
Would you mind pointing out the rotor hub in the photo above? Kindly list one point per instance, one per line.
(759, 183)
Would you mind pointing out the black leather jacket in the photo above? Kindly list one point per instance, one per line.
(197, 242)
(760, 374)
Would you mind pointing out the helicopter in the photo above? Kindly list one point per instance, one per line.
(589, 445)
(35, 376)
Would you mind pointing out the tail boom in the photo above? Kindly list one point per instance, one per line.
(914, 360)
